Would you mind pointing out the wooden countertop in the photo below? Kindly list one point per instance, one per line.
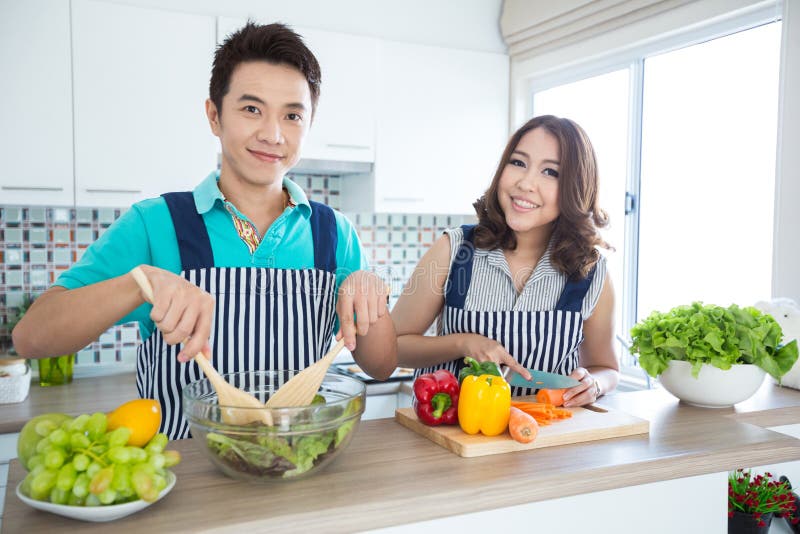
(103, 394)
(392, 476)
(83, 395)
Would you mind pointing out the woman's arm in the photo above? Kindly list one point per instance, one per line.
(416, 309)
(422, 300)
(598, 357)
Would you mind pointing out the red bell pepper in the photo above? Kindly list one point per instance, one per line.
(436, 398)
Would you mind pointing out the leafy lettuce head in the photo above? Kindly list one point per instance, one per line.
(708, 334)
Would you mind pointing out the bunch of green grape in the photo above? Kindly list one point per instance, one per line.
(79, 463)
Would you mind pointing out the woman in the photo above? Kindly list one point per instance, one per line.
(526, 286)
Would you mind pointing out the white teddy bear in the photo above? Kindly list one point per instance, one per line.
(787, 313)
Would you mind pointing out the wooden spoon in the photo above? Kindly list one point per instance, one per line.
(301, 388)
(227, 394)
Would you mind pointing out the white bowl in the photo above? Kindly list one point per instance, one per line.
(713, 387)
(97, 514)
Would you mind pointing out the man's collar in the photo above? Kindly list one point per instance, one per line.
(207, 193)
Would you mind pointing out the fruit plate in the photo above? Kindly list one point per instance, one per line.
(96, 513)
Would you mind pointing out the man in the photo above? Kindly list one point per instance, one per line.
(244, 268)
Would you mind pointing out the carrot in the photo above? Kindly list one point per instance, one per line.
(533, 406)
(522, 426)
(544, 413)
(551, 396)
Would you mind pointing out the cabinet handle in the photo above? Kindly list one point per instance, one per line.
(403, 199)
(130, 191)
(357, 147)
(30, 188)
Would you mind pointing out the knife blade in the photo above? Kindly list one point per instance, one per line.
(539, 380)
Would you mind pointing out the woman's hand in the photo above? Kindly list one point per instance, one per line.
(484, 349)
(362, 294)
(586, 393)
(181, 311)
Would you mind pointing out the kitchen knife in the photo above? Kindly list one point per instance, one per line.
(540, 380)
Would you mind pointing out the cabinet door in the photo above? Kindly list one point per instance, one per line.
(442, 125)
(344, 122)
(36, 137)
(141, 81)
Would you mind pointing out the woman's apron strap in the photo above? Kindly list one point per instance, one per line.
(460, 276)
(572, 297)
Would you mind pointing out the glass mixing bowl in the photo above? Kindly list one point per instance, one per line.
(300, 442)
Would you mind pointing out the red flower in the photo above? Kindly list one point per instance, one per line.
(759, 494)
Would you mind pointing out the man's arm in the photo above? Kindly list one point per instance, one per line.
(376, 352)
(62, 321)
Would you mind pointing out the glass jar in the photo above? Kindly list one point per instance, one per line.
(56, 371)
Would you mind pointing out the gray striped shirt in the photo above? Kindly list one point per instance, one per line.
(492, 285)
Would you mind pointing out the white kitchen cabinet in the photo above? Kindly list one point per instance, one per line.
(36, 137)
(344, 125)
(441, 127)
(140, 84)
(344, 122)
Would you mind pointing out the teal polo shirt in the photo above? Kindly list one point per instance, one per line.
(145, 234)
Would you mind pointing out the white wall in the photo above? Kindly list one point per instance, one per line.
(467, 24)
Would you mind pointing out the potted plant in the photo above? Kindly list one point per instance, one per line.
(709, 355)
(754, 500)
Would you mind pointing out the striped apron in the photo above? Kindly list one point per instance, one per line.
(542, 340)
(265, 319)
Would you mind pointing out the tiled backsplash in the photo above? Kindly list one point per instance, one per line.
(38, 243)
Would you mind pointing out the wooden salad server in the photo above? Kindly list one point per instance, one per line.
(245, 408)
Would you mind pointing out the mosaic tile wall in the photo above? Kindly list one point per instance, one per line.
(38, 243)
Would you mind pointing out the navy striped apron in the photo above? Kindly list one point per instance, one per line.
(542, 340)
(265, 319)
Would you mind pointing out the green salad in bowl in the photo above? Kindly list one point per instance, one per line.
(299, 443)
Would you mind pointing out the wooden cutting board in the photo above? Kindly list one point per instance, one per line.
(584, 425)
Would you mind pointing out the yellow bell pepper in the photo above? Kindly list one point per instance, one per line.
(484, 405)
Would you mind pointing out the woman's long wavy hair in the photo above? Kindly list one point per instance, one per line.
(576, 233)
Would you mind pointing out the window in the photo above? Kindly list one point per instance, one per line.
(686, 145)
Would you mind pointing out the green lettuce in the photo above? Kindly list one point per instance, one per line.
(265, 454)
(708, 334)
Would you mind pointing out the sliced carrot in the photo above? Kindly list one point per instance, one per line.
(562, 413)
(551, 396)
(523, 427)
(532, 406)
(544, 413)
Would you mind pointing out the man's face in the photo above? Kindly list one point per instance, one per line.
(265, 117)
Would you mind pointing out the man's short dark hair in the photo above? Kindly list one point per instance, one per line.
(274, 43)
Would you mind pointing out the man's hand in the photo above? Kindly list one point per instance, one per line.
(181, 311)
(362, 294)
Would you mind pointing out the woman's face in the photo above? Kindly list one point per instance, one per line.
(528, 186)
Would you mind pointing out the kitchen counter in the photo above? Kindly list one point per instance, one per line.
(83, 395)
(390, 476)
(103, 394)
